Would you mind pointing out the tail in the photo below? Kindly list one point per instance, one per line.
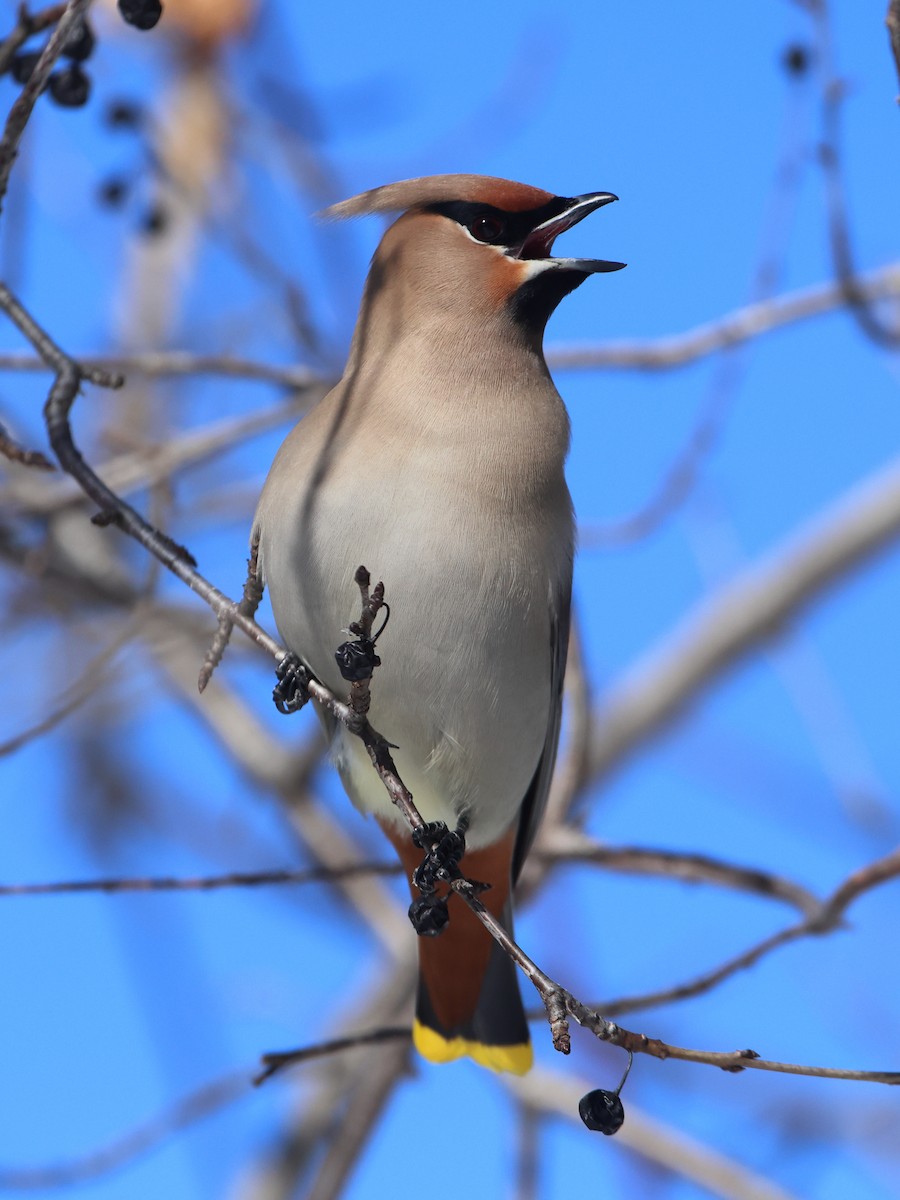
(468, 1003)
(469, 1008)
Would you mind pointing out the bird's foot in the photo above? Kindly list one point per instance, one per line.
(290, 692)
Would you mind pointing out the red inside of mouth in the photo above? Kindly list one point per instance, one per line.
(539, 242)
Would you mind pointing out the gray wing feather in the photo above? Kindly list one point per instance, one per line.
(539, 789)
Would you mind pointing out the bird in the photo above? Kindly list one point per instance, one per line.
(438, 461)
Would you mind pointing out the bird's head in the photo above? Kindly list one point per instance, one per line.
(477, 245)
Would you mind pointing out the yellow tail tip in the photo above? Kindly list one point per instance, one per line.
(437, 1049)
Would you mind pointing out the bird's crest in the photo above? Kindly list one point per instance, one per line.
(439, 189)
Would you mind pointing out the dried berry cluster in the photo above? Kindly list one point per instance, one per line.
(116, 191)
(70, 85)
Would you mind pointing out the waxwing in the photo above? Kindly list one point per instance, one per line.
(437, 462)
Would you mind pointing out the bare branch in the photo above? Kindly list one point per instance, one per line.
(80, 691)
(249, 603)
(153, 464)
(750, 322)
(201, 883)
(156, 364)
(27, 24)
(528, 1149)
(750, 610)
(562, 846)
(353, 1086)
(833, 91)
(188, 1111)
(279, 1059)
(15, 452)
(892, 20)
(288, 773)
(823, 919)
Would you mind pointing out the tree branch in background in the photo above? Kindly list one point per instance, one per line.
(827, 916)
(16, 452)
(554, 1094)
(151, 464)
(188, 1111)
(892, 20)
(833, 91)
(567, 846)
(652, 354)
(751, 609)
(278, 1060)
(753, 321)
(192, 1108)
(27, 25)
(249, 603)
(201, 883)
(92, 677)
(162, 364)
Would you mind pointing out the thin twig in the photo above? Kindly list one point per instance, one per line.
(833, 92)
(188, 1111)
(156, 364)
(892, 20)
(201, 883)
(277, 1060)
(80, 691)
(566, 846)
(192, 1108)
(153, 464)
(16, 452)
(827, 916)
(249, 603)
(27, 25)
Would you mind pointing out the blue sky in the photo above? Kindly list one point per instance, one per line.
(113, 1007)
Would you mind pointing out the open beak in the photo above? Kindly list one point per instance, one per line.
(539, 242)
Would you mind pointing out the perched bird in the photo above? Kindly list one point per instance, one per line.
(437, 461)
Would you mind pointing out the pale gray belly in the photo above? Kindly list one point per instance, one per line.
(464, 685)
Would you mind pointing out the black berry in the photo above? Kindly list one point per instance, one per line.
(429, 915)
(80, 42)
(155, 221)
(70, 88)
(113, 192)
(23, 66)
(796, 60)
(142, 14)
(602, 1111)
(124, 114)
(357, 660)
